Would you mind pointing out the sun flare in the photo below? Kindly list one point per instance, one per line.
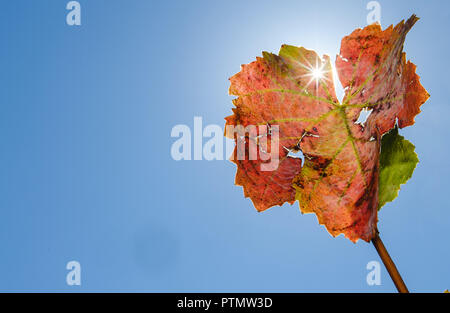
(317, 73)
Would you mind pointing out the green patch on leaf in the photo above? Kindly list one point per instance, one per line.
(397, 163)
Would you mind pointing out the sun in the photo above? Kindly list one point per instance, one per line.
(317, 73)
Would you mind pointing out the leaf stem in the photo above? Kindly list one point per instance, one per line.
(389, 264)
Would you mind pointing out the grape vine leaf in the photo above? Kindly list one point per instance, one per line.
(341, 175)
(397, 163)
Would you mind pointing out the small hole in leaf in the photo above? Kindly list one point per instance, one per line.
(296, 154)
(363, 116)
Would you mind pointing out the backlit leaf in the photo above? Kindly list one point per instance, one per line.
(339, 179)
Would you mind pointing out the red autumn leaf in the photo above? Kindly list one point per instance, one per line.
(338, 180)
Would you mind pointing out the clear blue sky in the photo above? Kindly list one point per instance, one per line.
(86, 171)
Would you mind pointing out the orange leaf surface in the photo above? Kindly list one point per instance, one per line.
(338, 180)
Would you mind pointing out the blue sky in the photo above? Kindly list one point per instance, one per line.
(86, 170)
